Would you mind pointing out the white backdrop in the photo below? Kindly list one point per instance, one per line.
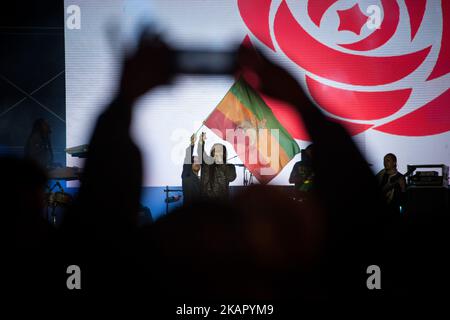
(165, 118)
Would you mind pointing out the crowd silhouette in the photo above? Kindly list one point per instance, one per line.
(261, 245)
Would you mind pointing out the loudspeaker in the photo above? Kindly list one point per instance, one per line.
(427, 202)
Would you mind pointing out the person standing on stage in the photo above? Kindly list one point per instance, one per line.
(392, 182)
(38, 146)
(190, 176)
(216, 173)
(302, 174)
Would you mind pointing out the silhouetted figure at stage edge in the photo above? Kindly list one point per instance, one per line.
(38, 146)
(33, 262)
(392, 184)
(302, 174)
(100, 228)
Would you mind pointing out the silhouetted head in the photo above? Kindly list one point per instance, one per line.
(42, 127)
(251, 249)
(219, 153)
(308, 154)
(390, 161)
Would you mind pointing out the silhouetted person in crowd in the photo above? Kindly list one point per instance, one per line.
(100, 228)
(190, 178)
(216, 172)
(34, 244)
(23, 186)
(260, 245)
(359, 229)
(111, 185)
(38, 146)
(353, 212)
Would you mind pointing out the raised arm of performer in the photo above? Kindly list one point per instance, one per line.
(189, 177)
(189, 158)
(205, 158)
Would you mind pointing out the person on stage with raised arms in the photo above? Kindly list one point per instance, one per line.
(216, 173)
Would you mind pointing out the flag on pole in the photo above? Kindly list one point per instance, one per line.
(243, 119)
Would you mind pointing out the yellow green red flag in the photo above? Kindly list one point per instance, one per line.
(261, 142)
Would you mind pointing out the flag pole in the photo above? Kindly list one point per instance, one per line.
(203, 123)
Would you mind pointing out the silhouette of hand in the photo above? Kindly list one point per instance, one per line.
(272, 80)
(202, 138)
(146, 69)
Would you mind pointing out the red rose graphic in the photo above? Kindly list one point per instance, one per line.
(383, 80)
